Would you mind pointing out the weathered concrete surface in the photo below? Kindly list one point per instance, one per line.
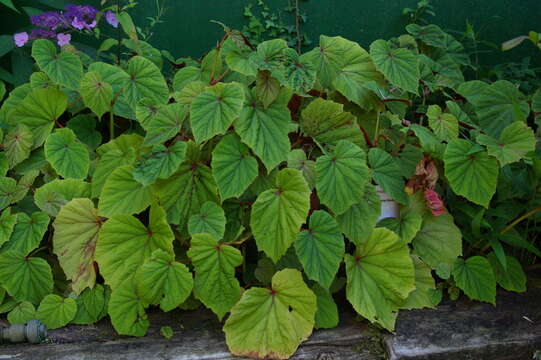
(470, 330)
(197, 336)
(461, 330)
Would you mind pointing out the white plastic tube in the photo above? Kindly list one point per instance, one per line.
(389, 207)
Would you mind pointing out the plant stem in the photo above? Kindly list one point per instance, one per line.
(520, 218)
(298, 26)
(377, 130)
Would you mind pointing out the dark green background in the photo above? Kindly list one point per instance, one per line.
(187, 30)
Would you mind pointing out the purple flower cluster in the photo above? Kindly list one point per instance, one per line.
(58, 24)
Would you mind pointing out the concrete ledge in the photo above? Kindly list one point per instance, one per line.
(462, 330)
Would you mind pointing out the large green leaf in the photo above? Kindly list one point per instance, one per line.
(187, 75)
(127, 310)
(380, 277)
(265, 130)
(515, 141)
(512, 278)
(297, 160)
(232, 167)
(356, 70)
(499, 105)
(122, 194)
(267, 87)
(278, 213)
(425, 294)
(91, 304)
(145, 81)
(341, 176)
(407, 226)
(387, 174)
(67, 155)
(124, 244)
(445, 126)
(271, 323)
(84, 126)
(118, 79)
(439, 242)
(215, 283)
(161, 162)
(25, 278)
(165, 124)
(476, 278)
(8, 188)
(22, 313)
(163, 281)
(7, 223)
(210, 219)
(55, 311)
(76, 230)
(18, 144)
(55, 194)
(213, 111)
(183, 194)
(27, 233)
(96, 93)
(65, 68)
(327, 311)
(326, 121)
(472, 175)
(399, 65)
(320, 248)
(359, 220)
(39, 110)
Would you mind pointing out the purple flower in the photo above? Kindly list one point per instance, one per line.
(80, 17)
(20, 39)
(111, 18)
(42, 34)
(77, 23)
(49, 19)
(63, 39)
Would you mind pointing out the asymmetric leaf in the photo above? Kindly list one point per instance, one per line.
(161, 280)
(265, 130)
(407, 226)
(8, 187)
(65, 68)
(439, 241)
(53, 195)
(122, 194)
(516, 140)
(39, 110)
(233, 168)
(67, 155)
(278, 213)
(387, 174)
(84, 126)
(22, 313)
(18, 144)
(473, 176)
(425, 287)
(55, 311)
(271, 323)
(7, 223)
(124, 243)
(327, 311)
(328, 123)
(359, 220)
(380, 277)
(400, 66)
(320, 248)
(475, 277)
(91, 303)
(96, 93)
(76, 233)
(127, 310)
(107, 163)
(27, 233)
(212, 112)
(215, 283)
(512, 278)
(445, 126)
(297, 160)
(210, 219)
(342, 176)
(165, 124)
(25, 278)
(161, 162)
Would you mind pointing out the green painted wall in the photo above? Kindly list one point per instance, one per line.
(188, 32)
